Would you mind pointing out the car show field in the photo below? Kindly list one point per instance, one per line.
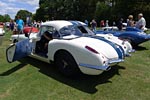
(31, 79)
(75, 50)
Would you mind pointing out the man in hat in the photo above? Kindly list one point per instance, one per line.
(141, 23)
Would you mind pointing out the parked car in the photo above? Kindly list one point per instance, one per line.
(1, 33)
(7, 24)
(131, 34)
(30, 29)
(26, 30)
(126, 46)
(70, 51)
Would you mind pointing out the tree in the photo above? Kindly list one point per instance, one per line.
(102, 11)
(123, 8)
(24, 14)
(5, 18)
(89, 9)
(2, 18)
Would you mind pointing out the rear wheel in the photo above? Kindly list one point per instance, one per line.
(66, 63)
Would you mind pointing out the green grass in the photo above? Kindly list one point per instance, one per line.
(29, 79)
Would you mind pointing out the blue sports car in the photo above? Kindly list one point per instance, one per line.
(133, 35)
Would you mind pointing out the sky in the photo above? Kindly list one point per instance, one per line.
(11, 7)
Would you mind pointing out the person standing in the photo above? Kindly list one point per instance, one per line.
(130, 22)
(11, 25)
(107, 25)
(86, 22)
(114, 23)
(102, 23)
(20, 24)
(93, 25)
(120, 24)
(141, 23)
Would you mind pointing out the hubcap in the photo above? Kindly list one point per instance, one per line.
(65, 64)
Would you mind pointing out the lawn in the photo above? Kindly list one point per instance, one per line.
(29, 79)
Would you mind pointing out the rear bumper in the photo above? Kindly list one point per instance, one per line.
(112, 62)
(133, 50)
(96, 69)
(104, 68)
(93, 69)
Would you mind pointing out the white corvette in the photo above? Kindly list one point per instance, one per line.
(68, 49)
(1, 34)
(126, 46)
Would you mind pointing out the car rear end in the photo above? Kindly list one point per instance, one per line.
(1, 34)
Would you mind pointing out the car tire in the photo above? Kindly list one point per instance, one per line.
(66, 63)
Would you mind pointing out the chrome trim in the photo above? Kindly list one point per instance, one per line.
(106, 67)
(133, 50)
(115, 61)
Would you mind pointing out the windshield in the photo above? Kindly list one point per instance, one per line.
(85, 30)
(70, 30)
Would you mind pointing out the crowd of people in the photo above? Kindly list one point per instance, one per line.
(140, 23)
(17, 26)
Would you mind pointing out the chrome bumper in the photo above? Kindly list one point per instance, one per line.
(133, 50)
(115, 61)
(105, 68)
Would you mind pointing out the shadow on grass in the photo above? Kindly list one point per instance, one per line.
(12, 70)
(85, 83)
(140, 48)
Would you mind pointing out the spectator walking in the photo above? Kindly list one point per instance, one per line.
(93, 25)
(141, 23)
(102, 23)
(34, 23)
(86, 22)
(120, 24)
(114, 23)
(11, 25)
(20, 24)
(107, 21)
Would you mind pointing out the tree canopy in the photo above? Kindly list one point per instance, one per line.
(24, 14)
(4, 18)
(110, 10)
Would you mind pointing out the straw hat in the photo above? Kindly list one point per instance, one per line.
(140, 14)
(130, 16)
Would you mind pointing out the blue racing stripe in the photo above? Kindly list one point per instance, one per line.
(123, 52)
(119, 50)
(75, 23)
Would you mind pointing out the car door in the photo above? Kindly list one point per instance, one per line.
(19, 50)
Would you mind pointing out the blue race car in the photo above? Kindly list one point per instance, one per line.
(133, 35)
